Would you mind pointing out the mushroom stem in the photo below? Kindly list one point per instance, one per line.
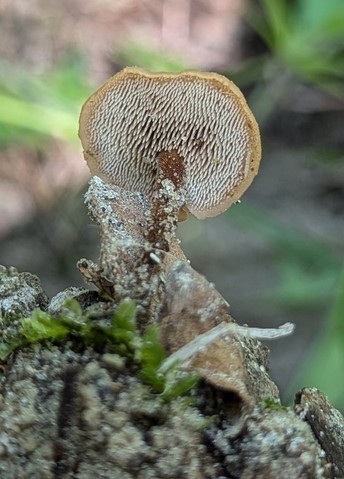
(168, 199)
(171, 166)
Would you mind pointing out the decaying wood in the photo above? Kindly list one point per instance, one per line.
(327, 424)
(129, 265)
(72, 412)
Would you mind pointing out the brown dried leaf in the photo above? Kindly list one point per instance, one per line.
(192, 307)
(235, 363)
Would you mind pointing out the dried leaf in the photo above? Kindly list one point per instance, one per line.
(198, 331)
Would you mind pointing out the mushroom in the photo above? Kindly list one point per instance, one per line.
(193, 129)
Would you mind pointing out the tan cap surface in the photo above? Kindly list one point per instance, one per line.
(136, 115)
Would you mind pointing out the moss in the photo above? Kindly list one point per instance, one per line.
(173, 382)
(152, 354)
(269, 403)
(117, 334)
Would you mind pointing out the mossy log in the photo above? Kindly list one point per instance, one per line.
(83, 397)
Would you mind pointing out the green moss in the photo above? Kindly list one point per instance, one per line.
(117, 334)
(123, 328)
(272, 404)
(178, 383)
(152, 354)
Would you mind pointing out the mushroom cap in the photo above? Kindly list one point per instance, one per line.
(137, 114)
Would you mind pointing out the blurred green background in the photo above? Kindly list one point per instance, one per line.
(278, 255)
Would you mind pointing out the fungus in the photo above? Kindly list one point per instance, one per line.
(193, 129)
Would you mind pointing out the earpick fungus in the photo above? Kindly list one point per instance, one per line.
(160, 145)
(192, 129)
